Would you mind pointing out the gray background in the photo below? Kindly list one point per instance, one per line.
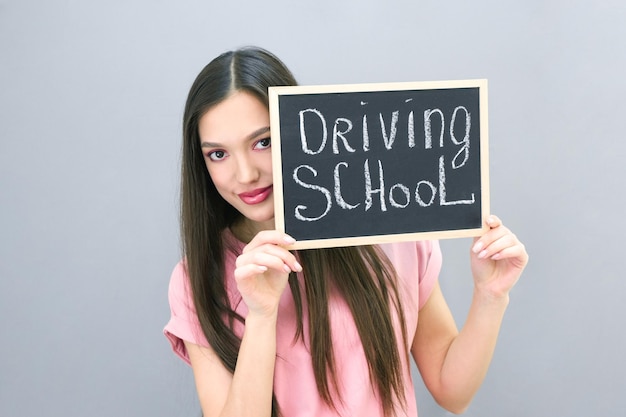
(91, 98)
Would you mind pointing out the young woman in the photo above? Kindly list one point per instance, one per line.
(337, 342)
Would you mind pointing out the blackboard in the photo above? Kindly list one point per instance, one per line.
(373, 163)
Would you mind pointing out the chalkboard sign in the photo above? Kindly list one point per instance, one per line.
(374, 163)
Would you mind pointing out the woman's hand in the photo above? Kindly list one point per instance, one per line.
(262, 271)
(497, 259)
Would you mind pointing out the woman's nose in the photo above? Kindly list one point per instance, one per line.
(247, 171)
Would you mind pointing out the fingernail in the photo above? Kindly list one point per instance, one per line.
(289, 240)
(298, 266)
(477, 247)
(482, 254)
(286, 268)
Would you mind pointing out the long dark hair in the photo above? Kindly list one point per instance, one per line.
(367, 280)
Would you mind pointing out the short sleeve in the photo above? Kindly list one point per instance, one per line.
(183, 324)
(430, 259)
(411, 260)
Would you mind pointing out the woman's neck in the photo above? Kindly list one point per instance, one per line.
(245, 229)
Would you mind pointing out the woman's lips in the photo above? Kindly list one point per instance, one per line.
(256, 196)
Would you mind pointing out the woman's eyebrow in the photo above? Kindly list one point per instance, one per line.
(210, 145)
(258, 132)
(249, 137)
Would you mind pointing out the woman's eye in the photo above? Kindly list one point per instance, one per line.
(263, 143)
(217, 155)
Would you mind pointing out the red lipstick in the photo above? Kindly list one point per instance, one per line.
(256, 196)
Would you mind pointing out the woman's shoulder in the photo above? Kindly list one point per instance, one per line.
(179, 288)
(417, 265)
(423, 251)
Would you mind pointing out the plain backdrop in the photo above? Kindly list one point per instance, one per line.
(91, 100)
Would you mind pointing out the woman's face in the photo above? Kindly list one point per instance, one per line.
(235, 142)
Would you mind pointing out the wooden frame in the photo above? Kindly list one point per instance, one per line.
(275, 95)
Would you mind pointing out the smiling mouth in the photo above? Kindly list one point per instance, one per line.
(256, 196)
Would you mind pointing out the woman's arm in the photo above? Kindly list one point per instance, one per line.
(261, 274)
(249, 390)
(453, 364)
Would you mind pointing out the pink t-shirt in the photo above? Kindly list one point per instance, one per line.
(417, 265)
